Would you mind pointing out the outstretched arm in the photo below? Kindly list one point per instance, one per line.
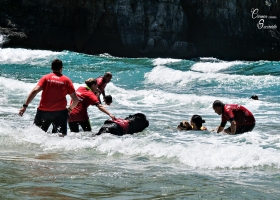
(103, 109)
(30, 97)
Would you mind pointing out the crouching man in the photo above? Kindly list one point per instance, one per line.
(240, 118)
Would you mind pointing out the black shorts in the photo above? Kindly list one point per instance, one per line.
(74, 126)
(58, 119)
(243, 128)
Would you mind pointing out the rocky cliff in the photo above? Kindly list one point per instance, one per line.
(225, 29)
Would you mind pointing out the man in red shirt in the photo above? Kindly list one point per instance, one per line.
(241, 119)
(79, 115)
(101, 83)
(52, 107)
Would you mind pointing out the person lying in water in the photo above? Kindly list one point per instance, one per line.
(130, 125)
(195, 124)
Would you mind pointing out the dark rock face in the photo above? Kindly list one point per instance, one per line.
(143, 28)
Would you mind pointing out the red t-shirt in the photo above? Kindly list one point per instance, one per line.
(239, 113)
(86, 98)
(101, 85)
(55, 88)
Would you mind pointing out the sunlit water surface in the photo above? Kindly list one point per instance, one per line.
(161, 162)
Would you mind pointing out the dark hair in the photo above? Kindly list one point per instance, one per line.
(197, 120)
(56, 65)
(90, 81)
(108, 99)
(218, 103)
(255, 97)
(108, 74)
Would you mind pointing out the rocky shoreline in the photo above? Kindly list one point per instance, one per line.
(224, 29)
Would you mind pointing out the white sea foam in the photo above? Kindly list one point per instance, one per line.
(212, 67)
(25, 56)
(163, 61)
(212, 59)
(210, 151)
(136, 100)
(159, 100)
(154, 97)
(162, 75)
(106, 55)
(12, 85)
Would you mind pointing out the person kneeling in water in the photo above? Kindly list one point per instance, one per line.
(130, 125)
(195, 124)
(240, 118)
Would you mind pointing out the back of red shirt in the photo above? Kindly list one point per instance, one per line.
(239, 113)
(86, 98)
(55, 88)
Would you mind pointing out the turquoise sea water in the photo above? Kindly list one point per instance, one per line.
(159, 163)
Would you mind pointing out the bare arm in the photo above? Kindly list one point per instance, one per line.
(97, 92)
(30, 97)
(103, 93)
(103, 109)
(220, 129)
(75, 101)
(232, 129)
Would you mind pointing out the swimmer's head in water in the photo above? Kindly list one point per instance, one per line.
(197, 120)
(108, 99)
(255, 97)
(184, 125)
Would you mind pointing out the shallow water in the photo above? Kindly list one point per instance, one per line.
(159, 163)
